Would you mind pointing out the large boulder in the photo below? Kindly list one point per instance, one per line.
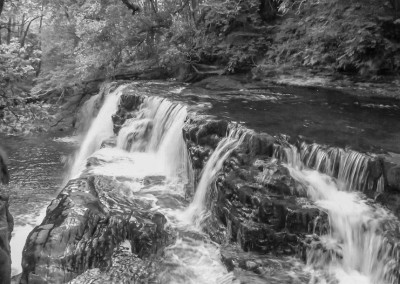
(90, 218)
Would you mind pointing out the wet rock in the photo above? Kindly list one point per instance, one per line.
(126, 267)
(4, 175)
(375, 168)
(261, 268)
(205, 130)
(6, 228)
(109, 143)
(261, 206)
(83, 226)
(393, 177)
(129, 102)
(261, 144)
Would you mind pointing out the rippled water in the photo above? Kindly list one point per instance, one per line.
(36, 174)
(324, 116)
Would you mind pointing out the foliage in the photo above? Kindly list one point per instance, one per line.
(335, 35)
(17, 69)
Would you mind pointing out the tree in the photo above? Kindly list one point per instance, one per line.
(1, 6)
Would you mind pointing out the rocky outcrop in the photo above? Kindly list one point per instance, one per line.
(129, 102)
(6, 227)
(83, 228)
(254, 201)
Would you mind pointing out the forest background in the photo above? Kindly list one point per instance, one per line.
(54, 54)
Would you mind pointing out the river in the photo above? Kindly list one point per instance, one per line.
(37, 167)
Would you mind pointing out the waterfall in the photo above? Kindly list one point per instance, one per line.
(157, 128)
(356, 250)
(197, 210)
(349, 167)
(90, 108)
(100, 129)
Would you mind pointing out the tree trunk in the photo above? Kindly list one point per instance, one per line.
(1, 6)
(22, 26)
(131, 6)
(9, 30)
(268, 9)
(26, 31)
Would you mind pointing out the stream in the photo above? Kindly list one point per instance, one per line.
(151, 161)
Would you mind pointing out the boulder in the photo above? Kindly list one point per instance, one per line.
(254, 197)
(85, 223)
(393, 177)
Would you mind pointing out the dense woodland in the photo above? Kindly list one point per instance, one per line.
(52, 50)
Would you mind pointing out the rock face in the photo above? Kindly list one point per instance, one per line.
(84, 227)
(254, 198)
(129, 103)
(6, 227)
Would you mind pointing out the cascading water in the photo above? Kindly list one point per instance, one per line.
(100, 129)
(350, 168)
(357, 249)
(157, 129)
(197, 211)
(152, 158)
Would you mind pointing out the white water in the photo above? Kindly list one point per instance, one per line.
(197, 211)
(360, 253)
(349, 167)
(152, 157)
(100, 129)
(19, 237)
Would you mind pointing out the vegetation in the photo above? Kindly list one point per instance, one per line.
(51, 50)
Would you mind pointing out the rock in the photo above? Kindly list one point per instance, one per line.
(375, 168)
(4, 175)
(205, 130)
(6, 227)
(109, 143)
(129, 102)
(126, 267)
(393, 177)
(261, 268)
(254, 197)
(85, 223)
(261, 144)
(220, 83)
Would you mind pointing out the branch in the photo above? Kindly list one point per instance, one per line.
(134, 7)
(153, 6)
(181, 8)
(26, 31)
